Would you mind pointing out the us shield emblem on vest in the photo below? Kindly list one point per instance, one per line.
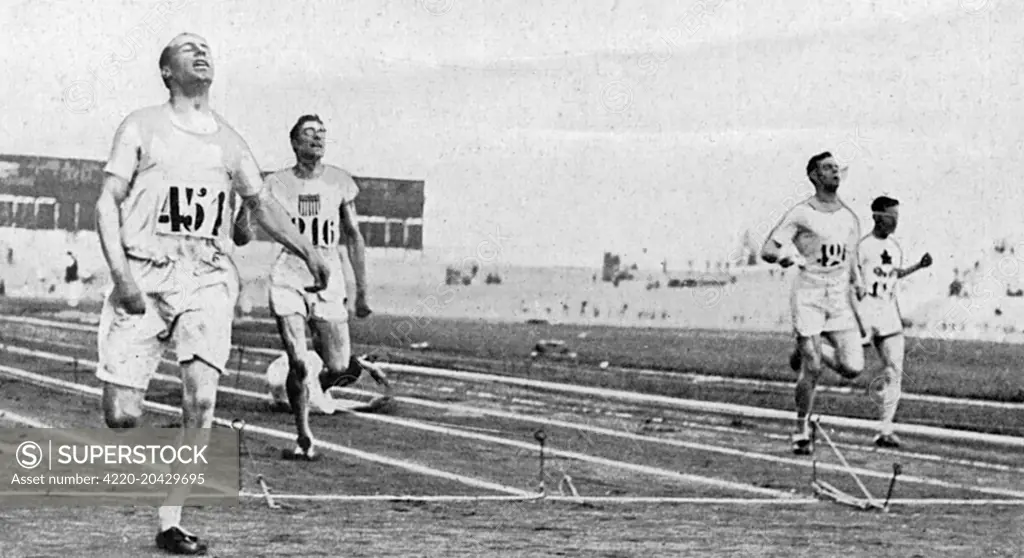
(309, 205)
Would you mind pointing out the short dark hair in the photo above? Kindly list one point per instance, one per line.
(294, 134)
(882, 203)
(165, 60)
(812, 165)
(167, 53)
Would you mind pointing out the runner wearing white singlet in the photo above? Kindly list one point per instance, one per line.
(820, 235)
(314, 205)
(881, 264)
(320, 199)
(164, 218)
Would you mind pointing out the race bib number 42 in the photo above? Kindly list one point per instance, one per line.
(832, 255)
(193, 211)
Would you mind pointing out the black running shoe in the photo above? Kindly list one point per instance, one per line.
(303, 451)
(176, 541)
(887, 441)
(347, 377)
(280, 407)
(802, 443)
(297, 454)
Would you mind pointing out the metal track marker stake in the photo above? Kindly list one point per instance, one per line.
(825, 489)
(897, 470)
(567, 481)
(239, 425)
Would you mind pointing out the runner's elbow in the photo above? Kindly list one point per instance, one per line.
(242, 233)
(770, 251)
(107, 216)
(242, 238)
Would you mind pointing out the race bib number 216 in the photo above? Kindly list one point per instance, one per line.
(322, 232)
(194, 211)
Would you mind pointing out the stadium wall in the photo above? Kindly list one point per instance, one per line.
(48, 193)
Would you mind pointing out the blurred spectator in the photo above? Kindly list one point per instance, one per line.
(72, 280)
(956, 288)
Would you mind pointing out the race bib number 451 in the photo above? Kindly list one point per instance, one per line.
(193, 211)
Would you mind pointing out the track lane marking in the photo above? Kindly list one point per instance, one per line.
(581, 427)
(454, 432)
(47, 381)
(690, 376)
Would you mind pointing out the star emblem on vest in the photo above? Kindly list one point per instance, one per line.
(886, 258)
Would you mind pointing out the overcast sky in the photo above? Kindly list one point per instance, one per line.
(573, 127)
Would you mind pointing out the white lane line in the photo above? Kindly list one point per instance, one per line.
(905, 502)
(708, 447)
(11, 416)
(707, 406)
(902, 453)
(625, 500)
(540, 497)
(272, 433)
(580, 427)
(689, 376)
(22, 419)
(413, 424)
(633, 397)
(49, 323)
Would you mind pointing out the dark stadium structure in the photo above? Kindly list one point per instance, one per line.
(46, 193)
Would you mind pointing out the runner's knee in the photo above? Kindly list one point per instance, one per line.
(119, 419)
(850, 354)
(201, 404)
(334, 346)
(297, 370)
(200, 381)
(198, 406)
(853, 367)
(893, 375)
(121, 407)
(811, 357)
(813, 366)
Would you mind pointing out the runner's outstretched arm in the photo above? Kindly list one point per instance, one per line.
(108, 225)
(356, 248)
(779, 248)
(274, 219)
(926, 260)
(243, 233)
